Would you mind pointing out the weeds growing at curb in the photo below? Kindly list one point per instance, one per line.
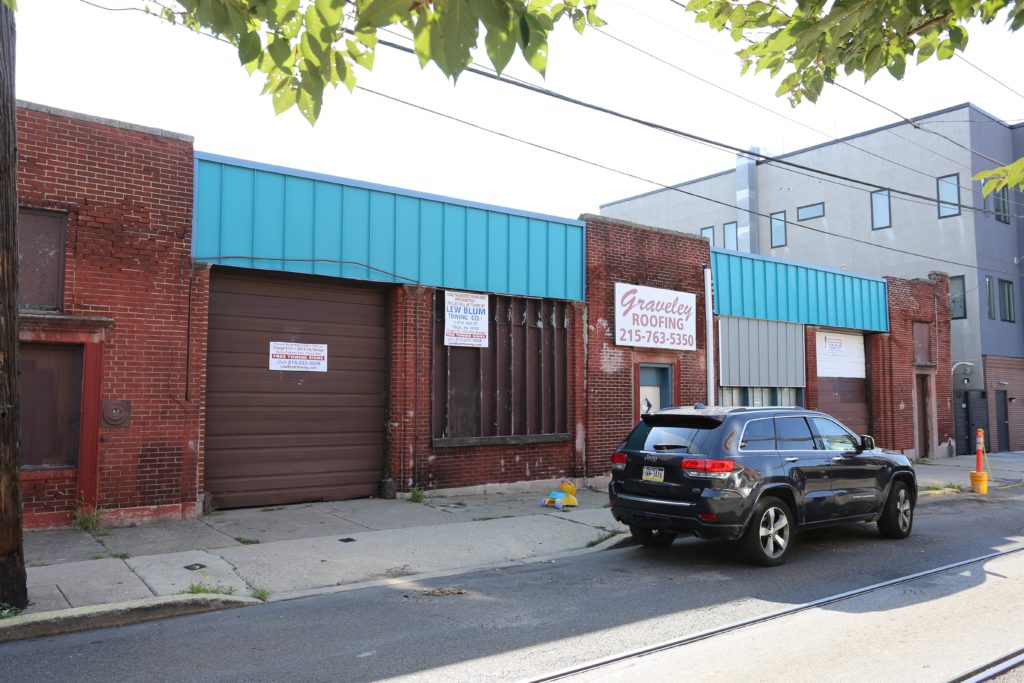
(198, 588)
(6, 611)
(272, 509)
(945, 487)
(122, 556)
(608, 533)
(260, 594)
(487, 519)
(87, 521)
(416, 494)
(37, 563)
(245, 540)
(98, 556)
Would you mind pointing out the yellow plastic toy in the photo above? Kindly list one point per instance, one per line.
(564, 497)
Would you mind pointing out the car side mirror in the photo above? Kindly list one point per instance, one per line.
(867, 443)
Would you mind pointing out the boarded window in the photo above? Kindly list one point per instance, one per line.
(517, 386)
(41, 240)
(51, 404)
(923, 343)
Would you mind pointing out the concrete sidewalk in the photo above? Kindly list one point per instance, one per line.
(282, 552)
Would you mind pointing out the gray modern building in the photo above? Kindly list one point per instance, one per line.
(897, 200)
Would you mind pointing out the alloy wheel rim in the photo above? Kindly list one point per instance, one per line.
(774, 532)
(903, 509)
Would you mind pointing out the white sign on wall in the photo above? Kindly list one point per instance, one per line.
(296, 357)
(655, 318)
(465, 319)
(839, 354)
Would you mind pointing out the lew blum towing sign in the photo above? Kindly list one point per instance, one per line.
(465, 319)
(655, 318)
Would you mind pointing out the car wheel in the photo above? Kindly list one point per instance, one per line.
(652, 538)
(770, 533)
(898, 513)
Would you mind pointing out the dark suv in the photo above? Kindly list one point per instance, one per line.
(755, 475)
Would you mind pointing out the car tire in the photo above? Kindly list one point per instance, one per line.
(652, 538)
(770, 533)
(897, 518)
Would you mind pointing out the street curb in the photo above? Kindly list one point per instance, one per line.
(91, 617)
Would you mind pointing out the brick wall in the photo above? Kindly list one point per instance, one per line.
(892, 372)
(618, 251)
(999, 369)
(127, 193)
(414, 460)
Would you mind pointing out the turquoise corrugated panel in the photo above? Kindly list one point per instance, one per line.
(268, 220)
(455, 246)
(749, 295)
(327, 229)
(518, 254)
(382, 236)
(556, 260)
(298, 225)
(497, 252)
(476, 249)
(355, 232)
(574, 262)
(538, 268)
(735, 297)
(407, 238)
(760, 291)
(206, 241)
(236, 205)
(255, 216)
(431, 242)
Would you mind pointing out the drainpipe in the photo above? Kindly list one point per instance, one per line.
(709, 335)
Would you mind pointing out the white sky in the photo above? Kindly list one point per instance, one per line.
(135, 68)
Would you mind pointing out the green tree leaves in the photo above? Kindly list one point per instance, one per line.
(303, 46)
(811, 42)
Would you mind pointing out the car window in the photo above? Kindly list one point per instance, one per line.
(794, 434)
(833, 436)
(687, 438)
(758, 435)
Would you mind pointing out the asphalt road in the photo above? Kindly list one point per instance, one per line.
(518, 622)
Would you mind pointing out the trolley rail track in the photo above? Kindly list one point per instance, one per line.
(982, 673)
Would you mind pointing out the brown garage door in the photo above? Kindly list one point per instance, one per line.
(275, 436)
(845, 398)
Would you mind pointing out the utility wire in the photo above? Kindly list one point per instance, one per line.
(673, 188)
(986, 73)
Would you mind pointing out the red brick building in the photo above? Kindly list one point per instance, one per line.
(156, 364)
(109, 303)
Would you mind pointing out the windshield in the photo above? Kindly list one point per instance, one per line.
(695, 436)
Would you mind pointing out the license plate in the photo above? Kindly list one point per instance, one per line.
(654, 474)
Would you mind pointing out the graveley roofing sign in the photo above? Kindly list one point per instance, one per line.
(655, 318)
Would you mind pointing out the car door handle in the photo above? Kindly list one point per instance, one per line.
(790, 459)
(836, 458)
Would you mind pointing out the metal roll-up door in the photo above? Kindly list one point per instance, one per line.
(287, 436)
(842, 378)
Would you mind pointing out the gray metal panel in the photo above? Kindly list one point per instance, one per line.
(760, 353)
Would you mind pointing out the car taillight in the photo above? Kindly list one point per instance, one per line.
(618, 461)
(708, 469)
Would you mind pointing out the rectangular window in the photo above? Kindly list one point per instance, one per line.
(709, 232)
(922, 343)
(990, 289)
(804, 213)
(948, 191)
(957, 298)
(1001, 199)
(50, 382)
(1006, 309)
(731, 238)
(515, 387)
(778, 229)
(793, 434)
(881, 214)
(41, 239)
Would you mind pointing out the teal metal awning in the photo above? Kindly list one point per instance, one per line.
(752, 286)
(252, 215)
